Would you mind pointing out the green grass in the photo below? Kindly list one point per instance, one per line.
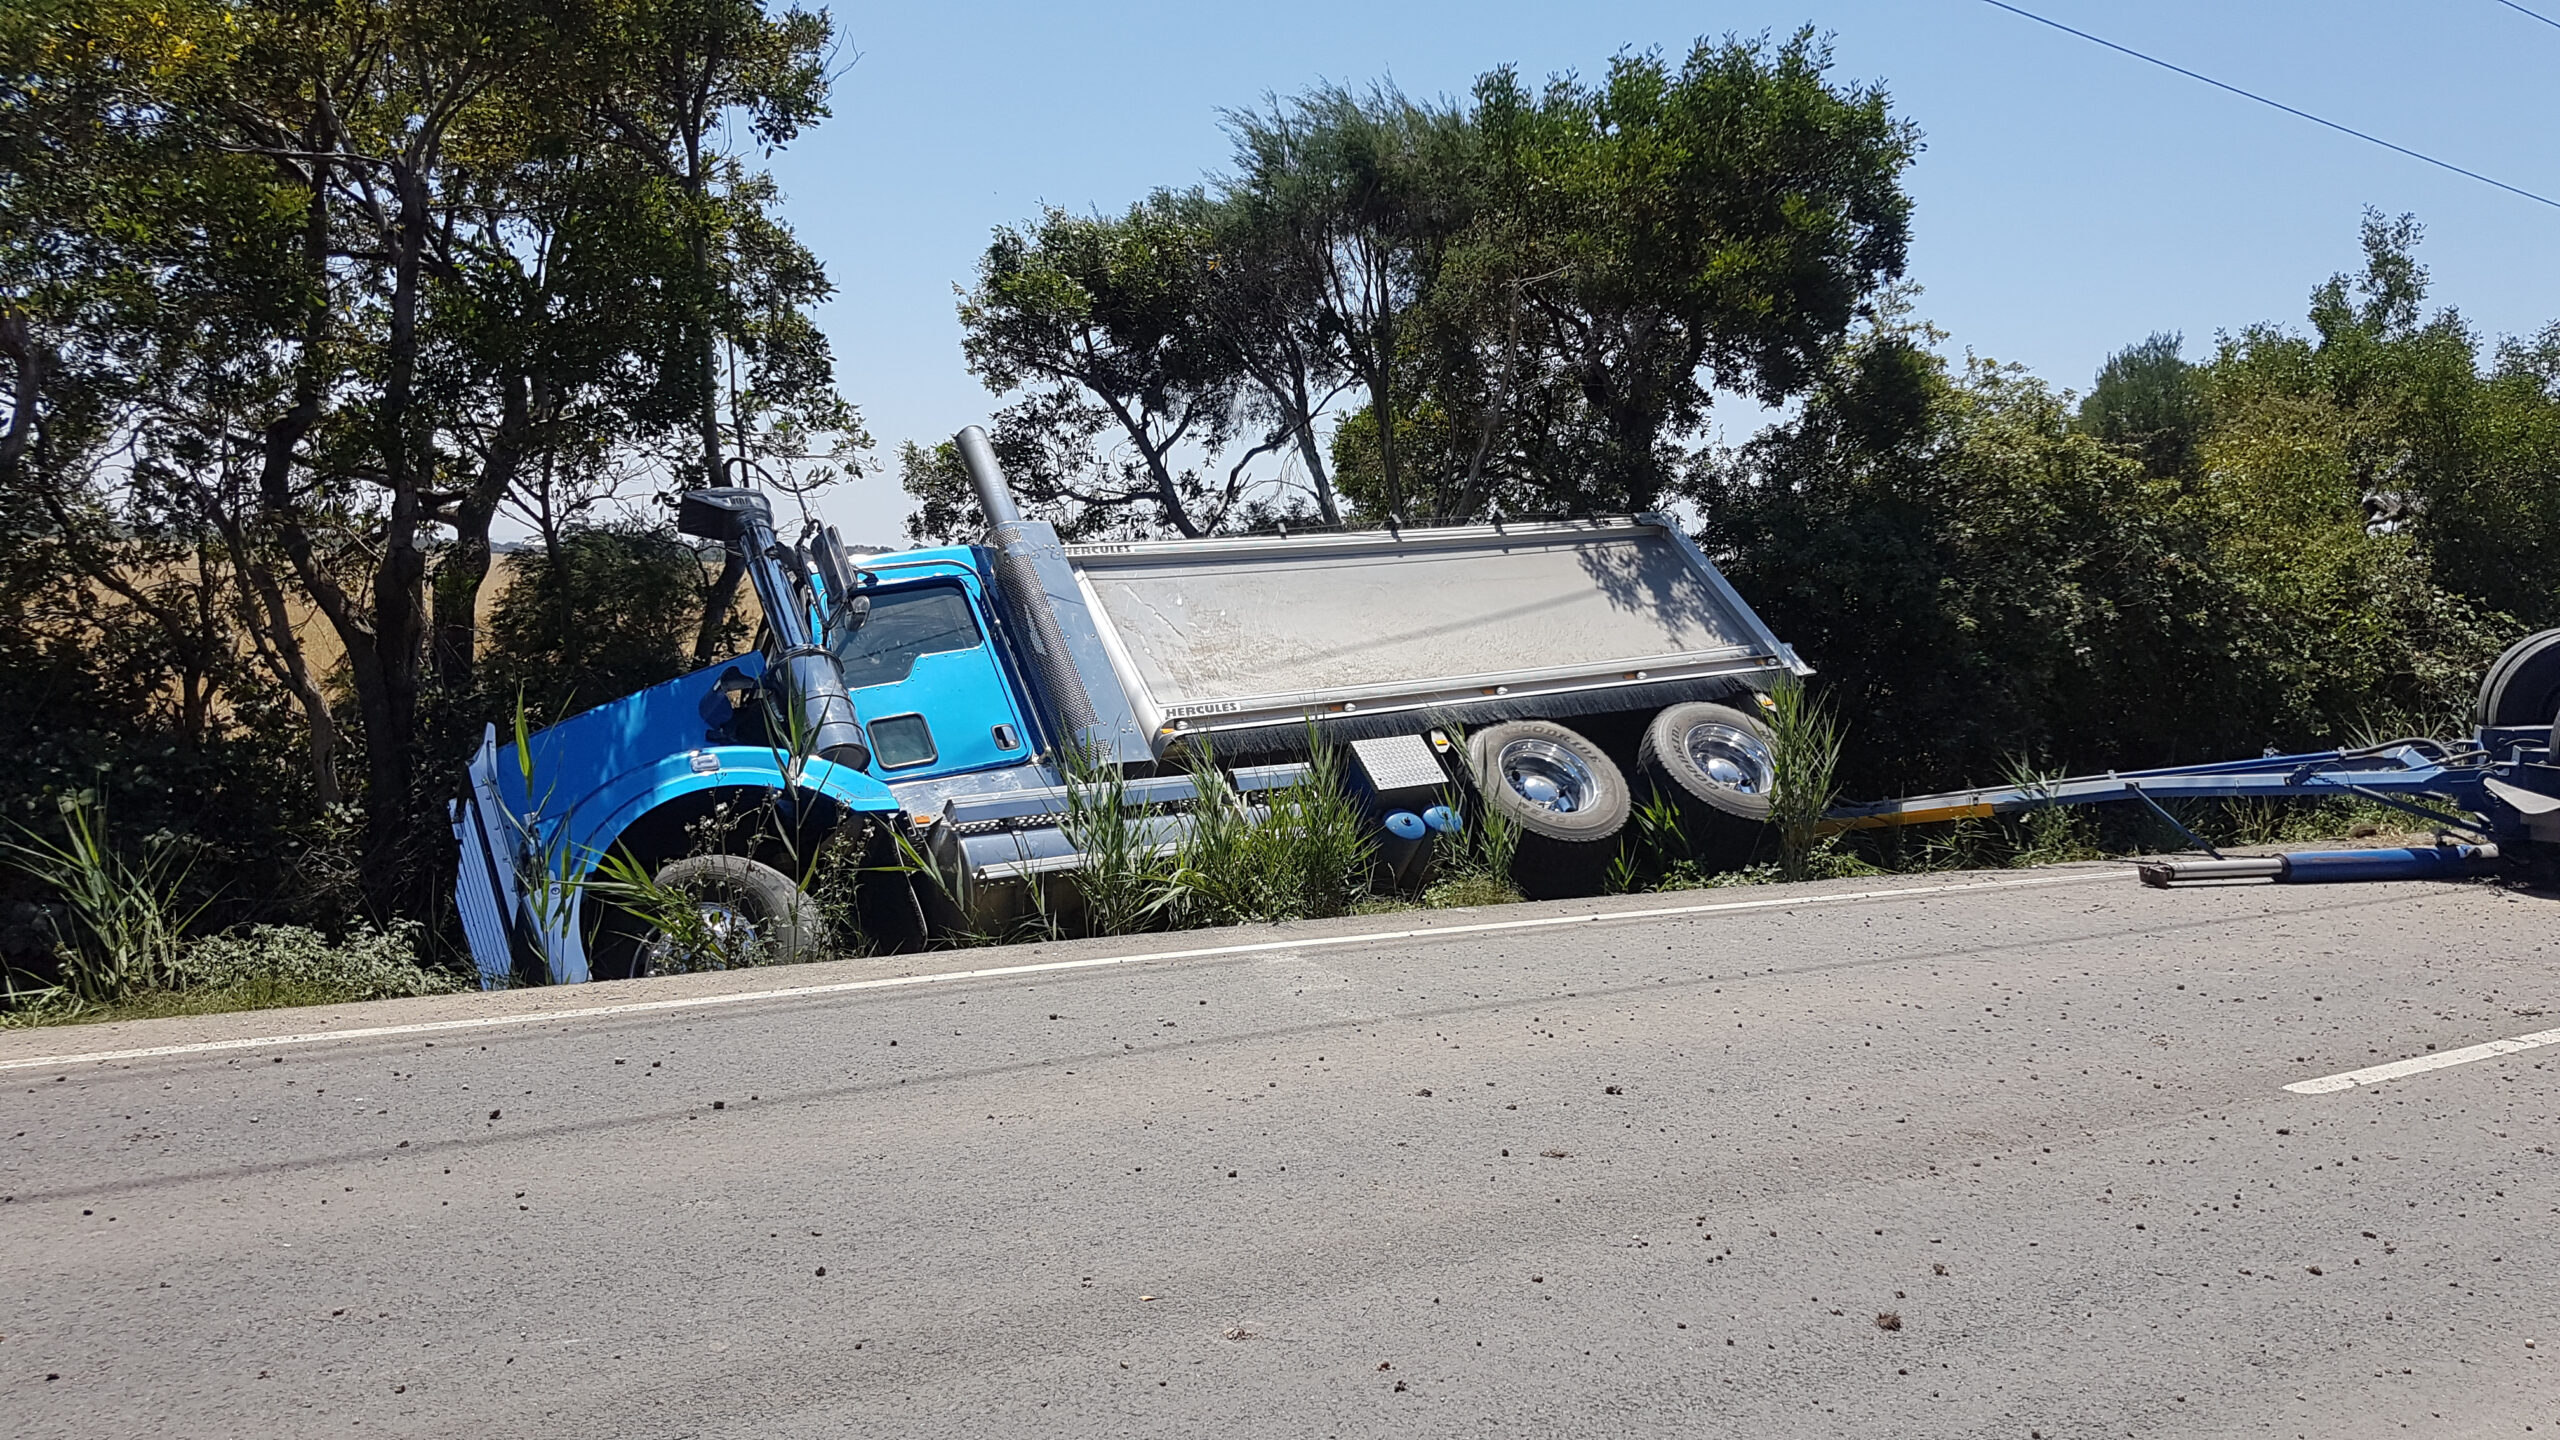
(1470, 888)
(170, 1004)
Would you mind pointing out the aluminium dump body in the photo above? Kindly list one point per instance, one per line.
(1266, 631)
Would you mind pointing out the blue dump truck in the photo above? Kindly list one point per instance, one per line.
(934, 714)
(937, 724)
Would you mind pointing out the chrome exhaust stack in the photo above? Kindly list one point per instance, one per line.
(1017, 543)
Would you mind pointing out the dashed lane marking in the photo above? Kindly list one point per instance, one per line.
(2421, 1064)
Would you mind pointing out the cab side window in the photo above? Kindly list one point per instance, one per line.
(903, 624)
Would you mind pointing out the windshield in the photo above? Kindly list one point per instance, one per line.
(904, 624)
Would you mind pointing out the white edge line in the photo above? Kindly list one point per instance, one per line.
(842, 987)
(2421, 1064)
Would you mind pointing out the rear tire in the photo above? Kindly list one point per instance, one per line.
(1566, 795)
(1715, 762)
(2522, 686)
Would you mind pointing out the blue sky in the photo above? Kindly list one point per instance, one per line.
(2069, 201)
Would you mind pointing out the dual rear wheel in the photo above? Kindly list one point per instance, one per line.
(1570, 800)
(2522, 686)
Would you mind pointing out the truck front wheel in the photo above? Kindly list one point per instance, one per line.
(710, 912)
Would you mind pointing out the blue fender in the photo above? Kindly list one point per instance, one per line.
(588, 830)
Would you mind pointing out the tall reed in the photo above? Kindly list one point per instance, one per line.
(1804, 750)
(126, 925)
(1302, 853)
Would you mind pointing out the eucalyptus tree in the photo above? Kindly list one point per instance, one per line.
(1266, 310)
(341, 281)
(1522, 301)
(1105, 323)
(1720, 223)
(679, 79)
(1356, 196)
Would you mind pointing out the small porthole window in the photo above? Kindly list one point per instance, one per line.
(901, 741)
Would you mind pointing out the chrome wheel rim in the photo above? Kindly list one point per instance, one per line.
(1731, 757)
(1547, 775)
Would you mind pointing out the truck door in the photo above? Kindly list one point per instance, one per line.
(926, 685)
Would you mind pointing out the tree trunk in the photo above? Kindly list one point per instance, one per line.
(1301, 407)
(1320, 479)
(270, 622)
(1382, 404)
(1381, 379)
(386, 679)
(717, 602)
(722, 597)
(456, 637)
(1168, 494)
(460, 578)
(1497, 409)
(27, 356)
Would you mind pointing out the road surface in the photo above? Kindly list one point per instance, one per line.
(2003, 1155)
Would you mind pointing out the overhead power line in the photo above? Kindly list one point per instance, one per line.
(2536, 14)
(2280, 105)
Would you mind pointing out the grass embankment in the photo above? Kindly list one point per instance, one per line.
(1295, 854)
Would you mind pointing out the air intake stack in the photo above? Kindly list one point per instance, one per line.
(811, 679)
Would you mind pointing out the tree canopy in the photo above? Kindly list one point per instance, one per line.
(297, 299)
(1523, 302)
(2311, 537)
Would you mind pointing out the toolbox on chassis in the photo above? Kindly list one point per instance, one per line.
(934, 699)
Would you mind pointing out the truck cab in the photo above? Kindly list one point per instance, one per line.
(921, 660)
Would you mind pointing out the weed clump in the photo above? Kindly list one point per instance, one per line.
(125, 925)
(1804, 752)
(1302, 854)
(367, 965)
(267, 967)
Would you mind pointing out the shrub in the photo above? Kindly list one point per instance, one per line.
(368, 965)
(612, 610)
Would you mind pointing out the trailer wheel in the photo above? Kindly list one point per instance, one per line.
(1714, 761)
(745, 912)
(1566, 795)
(2522, 686)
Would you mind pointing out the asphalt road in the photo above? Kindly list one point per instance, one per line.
(2011, 1161)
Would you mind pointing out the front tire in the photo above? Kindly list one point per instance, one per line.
(745, 913)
